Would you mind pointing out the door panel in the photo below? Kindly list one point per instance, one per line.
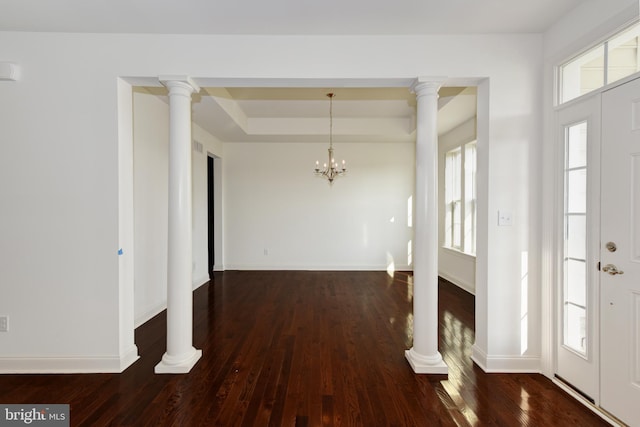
(620, 278)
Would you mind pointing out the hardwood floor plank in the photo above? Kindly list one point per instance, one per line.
(307, 348)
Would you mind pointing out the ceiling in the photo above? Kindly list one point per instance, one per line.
(283, 16)
(301, 114)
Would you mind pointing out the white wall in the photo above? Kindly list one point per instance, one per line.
(591, 21)
(59, 178)
(151, 183)
(275, 203)
(457, 267)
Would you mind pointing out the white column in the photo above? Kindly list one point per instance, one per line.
(180, 356)
(424, 357)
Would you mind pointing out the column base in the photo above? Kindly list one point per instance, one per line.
(425, 364)
(183, 366)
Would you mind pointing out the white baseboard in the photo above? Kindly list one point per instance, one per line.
(200, 281)
(129, 357)
(69, 365)
(158, 308)
(149, 313)
(255, 267)
(505, 364)
(469, 287)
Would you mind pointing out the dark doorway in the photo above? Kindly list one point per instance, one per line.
(210, 204)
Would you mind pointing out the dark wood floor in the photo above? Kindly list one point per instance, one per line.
(295, 348)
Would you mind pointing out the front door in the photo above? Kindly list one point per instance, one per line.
(620, 253)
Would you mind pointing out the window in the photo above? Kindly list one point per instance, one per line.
(453, 189)
(575, 234)
(615, 59)
(460, 198)
(623, 55)
(470, 198)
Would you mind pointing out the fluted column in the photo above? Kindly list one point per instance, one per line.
(180, 356)
(424, 357)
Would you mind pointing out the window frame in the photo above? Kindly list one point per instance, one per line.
(568, 297)
(458, 201)
(602, 44)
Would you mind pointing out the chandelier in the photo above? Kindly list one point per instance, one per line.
(332, 169)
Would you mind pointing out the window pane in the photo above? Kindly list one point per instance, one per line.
(575, 291)
(470, 227)
(470, 198)
(457, 224)
(453, 190)
(576, 230)
(582, 74)
(623, 55)
(577, 191)
(576, 328)
(577, 146)
(448, 225)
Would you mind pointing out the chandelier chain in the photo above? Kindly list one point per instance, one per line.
(330, 95)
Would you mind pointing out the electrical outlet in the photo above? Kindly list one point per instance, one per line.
(4, 323)
(505, 218)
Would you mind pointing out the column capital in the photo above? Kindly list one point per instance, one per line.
(427, 85)
(177, 81)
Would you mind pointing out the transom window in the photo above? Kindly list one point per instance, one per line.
(612, 60)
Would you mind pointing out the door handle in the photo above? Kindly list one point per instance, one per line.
(612, 269)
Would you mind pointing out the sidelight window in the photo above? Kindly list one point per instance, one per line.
(575, 238)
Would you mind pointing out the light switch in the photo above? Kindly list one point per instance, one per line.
(505, 218)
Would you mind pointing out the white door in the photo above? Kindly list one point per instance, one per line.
(577, 361)
(620, 253)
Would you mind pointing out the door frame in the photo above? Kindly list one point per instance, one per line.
(218, 230)
(553, 248)
(211, 215)
(584, 109)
